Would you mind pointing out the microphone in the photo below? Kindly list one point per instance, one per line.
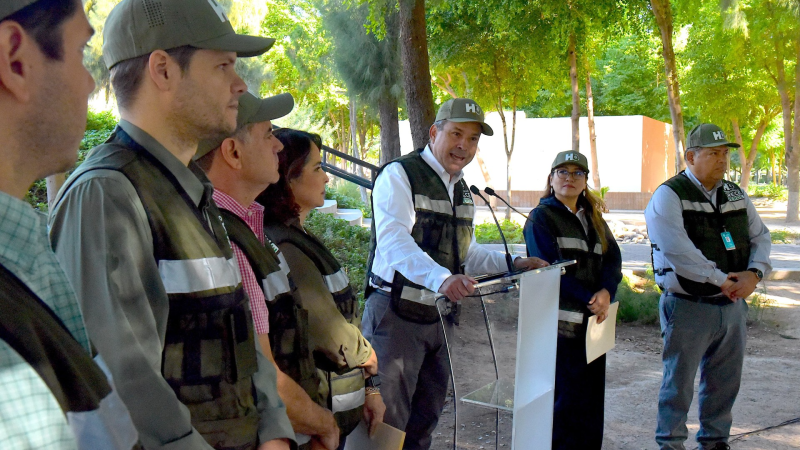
(477, 192)
(491, 192)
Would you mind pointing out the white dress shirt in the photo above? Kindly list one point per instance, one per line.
(394, 217)
(664, 216)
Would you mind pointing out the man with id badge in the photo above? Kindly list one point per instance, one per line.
(710, 249)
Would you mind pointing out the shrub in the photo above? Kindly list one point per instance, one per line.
(348, 196)
(486, 233)
(759, 303)
(638, 300)
(348, 243)
(770, 191)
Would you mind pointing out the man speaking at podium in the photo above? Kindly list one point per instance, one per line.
(422, 241)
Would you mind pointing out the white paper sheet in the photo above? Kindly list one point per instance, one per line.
(600, 338)
(385, 438)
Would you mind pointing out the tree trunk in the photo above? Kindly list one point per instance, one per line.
(737, 136)
(487, 177)
(592, 131)
(662, 10)
(576, 98)
(793, 151)
(416, 70)
(54, 183)
(390, 130)
(786, 109)
(508, 158)
(354, 143)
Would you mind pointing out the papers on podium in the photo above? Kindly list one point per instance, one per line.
(386, 438)
(600, 338)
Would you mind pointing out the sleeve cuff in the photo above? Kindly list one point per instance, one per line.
(718, 278)
(762, 267)
(437, 278)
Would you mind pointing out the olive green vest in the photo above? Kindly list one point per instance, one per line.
(442, 229)
(31, 328)
(587, 250)
(209, 350)
(342, 389)
(288, 320)
(705, 223)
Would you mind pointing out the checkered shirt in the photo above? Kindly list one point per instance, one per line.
(254, 217)
(30, 416)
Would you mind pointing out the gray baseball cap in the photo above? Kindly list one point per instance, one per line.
(138, 27)
(708, 135)
(253, 110)
(571, 157)
(9, 7)
(463, 110)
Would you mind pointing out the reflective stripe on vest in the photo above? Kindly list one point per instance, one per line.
(733, 206)
(578, 244)
(423, 296)
(346, 402)
(275, 284)
(437, 206)
(336, 282)
(184, 276)
(689, 205)
(570, 316)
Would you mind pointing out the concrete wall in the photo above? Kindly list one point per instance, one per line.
(658, 153)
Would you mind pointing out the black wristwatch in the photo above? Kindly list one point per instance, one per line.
(373, 381)
(758, 273)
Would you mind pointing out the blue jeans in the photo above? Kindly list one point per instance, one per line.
(709, 337)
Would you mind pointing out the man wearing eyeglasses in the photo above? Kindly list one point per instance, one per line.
(710, 250)
(422, 242)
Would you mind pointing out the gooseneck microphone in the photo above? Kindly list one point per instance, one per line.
(509, 263)
(491, 192)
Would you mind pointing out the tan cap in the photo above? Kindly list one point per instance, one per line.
(253, 110)
(138, 27)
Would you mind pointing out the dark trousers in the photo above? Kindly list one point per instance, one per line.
(415, 374)
(579, 397)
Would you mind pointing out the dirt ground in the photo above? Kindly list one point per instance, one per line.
(770, 392)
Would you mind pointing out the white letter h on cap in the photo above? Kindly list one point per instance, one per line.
(570, 157)
(471, 108)
(719, 135)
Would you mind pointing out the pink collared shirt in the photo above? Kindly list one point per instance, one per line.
(254, 217)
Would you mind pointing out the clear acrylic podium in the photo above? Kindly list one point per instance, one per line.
(530, 397)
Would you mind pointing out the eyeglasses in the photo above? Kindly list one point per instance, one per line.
(563, 174)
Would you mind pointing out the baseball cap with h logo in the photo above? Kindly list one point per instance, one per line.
(137, 27)
(708, 135)
(463, 110)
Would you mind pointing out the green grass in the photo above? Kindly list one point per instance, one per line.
(784, 237)
(759, 304)
(638, 300)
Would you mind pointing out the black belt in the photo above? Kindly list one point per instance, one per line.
(716, 300)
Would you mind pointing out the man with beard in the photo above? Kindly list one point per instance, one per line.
(141, 239)
(52, 395)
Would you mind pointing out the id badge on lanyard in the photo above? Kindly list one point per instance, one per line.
(727, 239)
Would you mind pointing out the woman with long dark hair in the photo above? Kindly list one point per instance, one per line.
(322, 290)
(568, 224)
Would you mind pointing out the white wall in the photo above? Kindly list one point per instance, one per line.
(619, 150)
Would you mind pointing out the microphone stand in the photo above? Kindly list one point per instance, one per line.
(509, 263)
(491, 192)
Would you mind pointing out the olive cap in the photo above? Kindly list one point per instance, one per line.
(571, 157)
(9, 7)
(138, 27)
(708, 135)
(463, 110)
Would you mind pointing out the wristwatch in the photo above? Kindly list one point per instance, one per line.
(373, 381)
(758, 273)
